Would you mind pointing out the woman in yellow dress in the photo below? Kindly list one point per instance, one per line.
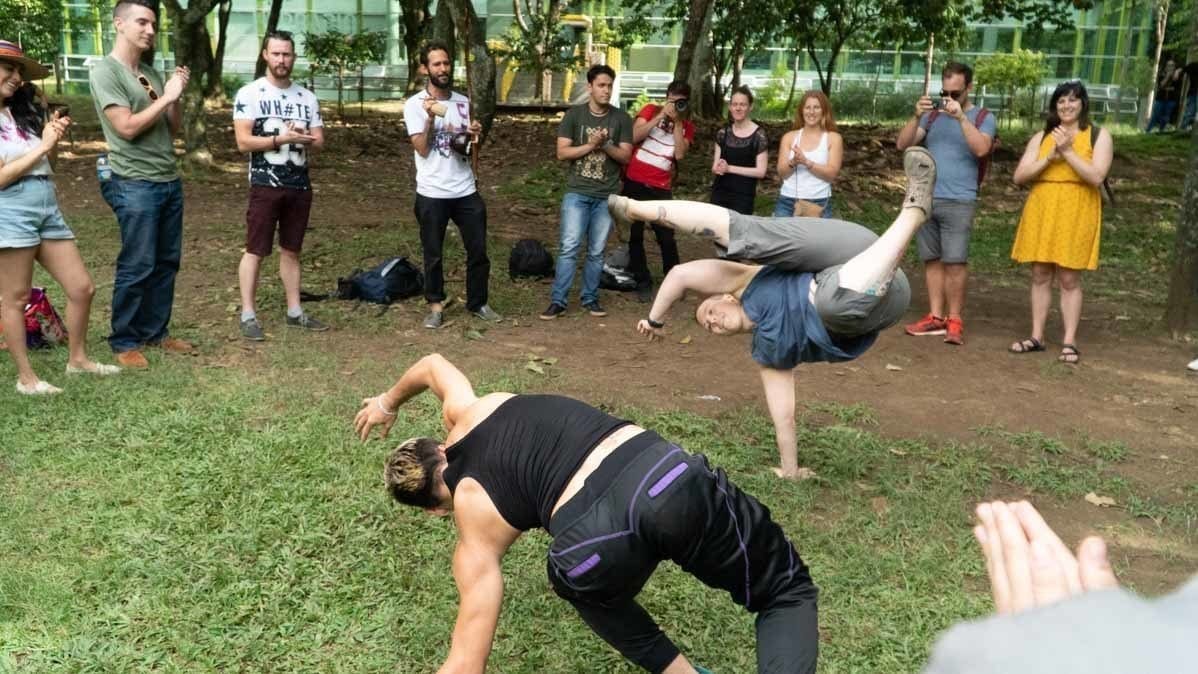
(1062, 219)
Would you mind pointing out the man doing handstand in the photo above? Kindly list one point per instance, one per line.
(617, 499)
(826, 289)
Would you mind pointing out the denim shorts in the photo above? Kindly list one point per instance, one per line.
(29, 214)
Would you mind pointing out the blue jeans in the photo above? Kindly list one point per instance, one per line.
(150, 215)
(784, 207)
(1187, 117)
(584, 219)
(1162, 113)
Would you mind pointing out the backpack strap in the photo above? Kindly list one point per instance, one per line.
(1096, 131)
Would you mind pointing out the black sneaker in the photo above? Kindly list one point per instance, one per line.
(553, 311)
(251, 329)
(595, 309)
(306, 322)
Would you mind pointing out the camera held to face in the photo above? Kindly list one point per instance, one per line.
(681, 104)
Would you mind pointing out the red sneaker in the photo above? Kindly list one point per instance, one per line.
(928, 325)
(954, 331)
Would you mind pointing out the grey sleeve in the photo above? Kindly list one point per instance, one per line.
(1113, 632)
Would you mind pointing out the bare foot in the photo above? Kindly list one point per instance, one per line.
(803, 473)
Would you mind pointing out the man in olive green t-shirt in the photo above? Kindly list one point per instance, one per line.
(596, 138)
(140, 115)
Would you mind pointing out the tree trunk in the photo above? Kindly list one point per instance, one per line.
(738, 66)
(443, 29)
(1182, 306)
(1124, 63)
(698, 24)
(272, 24)
(215, 89)
(415, 21)
(794, 80)
(480, 64)
(1162, 21)
(193, 48)
(701, 66)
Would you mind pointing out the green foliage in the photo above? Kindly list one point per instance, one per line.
(537, 42)
(340, 54)
(1016, 70)
(862, 101)
(1017, 75)
(230, 84)
(642, 99)
(35, 24)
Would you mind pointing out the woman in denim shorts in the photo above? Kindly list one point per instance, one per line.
(31, 226)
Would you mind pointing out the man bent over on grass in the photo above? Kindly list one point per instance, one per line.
(826, 290)
(616, 498)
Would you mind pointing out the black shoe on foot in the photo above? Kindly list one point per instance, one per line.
(553, 311)
(595, 309)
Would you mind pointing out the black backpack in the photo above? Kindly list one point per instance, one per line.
(394, 279)
(530, 258)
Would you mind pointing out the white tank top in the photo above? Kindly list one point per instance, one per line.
(803, 184)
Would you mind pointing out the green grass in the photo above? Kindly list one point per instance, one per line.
(208, 519)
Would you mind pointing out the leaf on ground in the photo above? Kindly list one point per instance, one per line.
(685, 340)
(880, 505)
(893, 368)
(533, 367)
(1100, 501)
(473, 334)
(549, 361)
(897, 452)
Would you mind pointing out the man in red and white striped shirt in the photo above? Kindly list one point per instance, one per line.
(661, 135)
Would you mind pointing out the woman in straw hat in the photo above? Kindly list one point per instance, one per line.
(31, 226)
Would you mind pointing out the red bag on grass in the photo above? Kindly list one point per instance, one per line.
(43, 326)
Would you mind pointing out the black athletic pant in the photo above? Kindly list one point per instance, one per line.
(651, 501)
(638, 264)
(469, 213)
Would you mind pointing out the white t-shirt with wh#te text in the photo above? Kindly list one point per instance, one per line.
(271, 110)
(443, 174)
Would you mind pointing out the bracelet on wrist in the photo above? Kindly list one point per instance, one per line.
(379, 401)
(274, 141)
(656, 325)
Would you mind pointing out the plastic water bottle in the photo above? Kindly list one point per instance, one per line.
(103, 169)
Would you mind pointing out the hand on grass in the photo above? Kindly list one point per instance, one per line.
(374, 412)
(1028, 564)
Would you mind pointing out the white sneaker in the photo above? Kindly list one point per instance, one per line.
(41, 388)
(1193, 365)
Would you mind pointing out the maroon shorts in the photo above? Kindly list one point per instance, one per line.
(270, 205)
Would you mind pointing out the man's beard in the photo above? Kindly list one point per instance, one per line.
(443, 83)
(284, 74)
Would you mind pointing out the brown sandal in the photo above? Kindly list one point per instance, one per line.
(1029, 345)
(1070, 355)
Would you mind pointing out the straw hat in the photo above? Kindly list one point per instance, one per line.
(30, 69)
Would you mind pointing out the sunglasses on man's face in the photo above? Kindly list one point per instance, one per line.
(950, 94)
(145, 84)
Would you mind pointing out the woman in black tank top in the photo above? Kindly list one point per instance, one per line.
(741, 156)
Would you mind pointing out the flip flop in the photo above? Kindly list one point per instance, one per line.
(1067, 351)
(1029, 345)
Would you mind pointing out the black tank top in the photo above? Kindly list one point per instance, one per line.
(741, 152)
(525, 452)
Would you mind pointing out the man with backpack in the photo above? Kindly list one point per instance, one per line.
(438, 118)
(960, 136)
